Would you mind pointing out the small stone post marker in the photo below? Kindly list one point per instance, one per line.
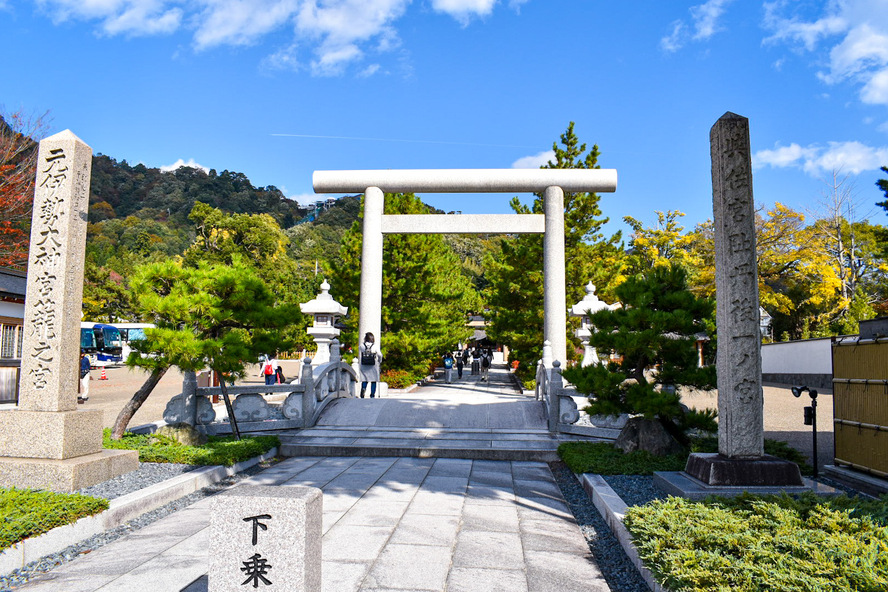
(46, 442)
(741, 459)
(266, 537)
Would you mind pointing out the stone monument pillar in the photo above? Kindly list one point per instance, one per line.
(47, 442)
(370, 311)
(741, 460)
(554, 291)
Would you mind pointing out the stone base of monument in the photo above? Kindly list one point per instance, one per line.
(66, 475)
(714, 474)
(57, 450)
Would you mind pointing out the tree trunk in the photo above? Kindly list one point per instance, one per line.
(126, 414)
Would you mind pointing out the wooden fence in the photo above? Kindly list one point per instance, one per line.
(860, 404)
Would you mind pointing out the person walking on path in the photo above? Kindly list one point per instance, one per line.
(476, 361)
(370, 357)
(85, 377)
(448, 367)
(269, 370)
(460, 362)
(485, 366)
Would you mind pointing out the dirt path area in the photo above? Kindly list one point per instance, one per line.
(783, 419)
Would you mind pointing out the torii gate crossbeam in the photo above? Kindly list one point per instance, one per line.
(552, 183)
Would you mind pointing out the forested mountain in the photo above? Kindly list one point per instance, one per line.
(118, 190)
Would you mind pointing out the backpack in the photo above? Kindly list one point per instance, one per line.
(448, 362)
(485, 362)
(368, 358)
(268, 370)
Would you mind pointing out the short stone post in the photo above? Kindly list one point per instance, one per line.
(554, 403)
(46, 442)
(266, 537)
(189, 398)
(308, 397)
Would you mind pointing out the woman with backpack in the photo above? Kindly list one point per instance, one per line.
(448, 367)
(369, 356)
(269, 370)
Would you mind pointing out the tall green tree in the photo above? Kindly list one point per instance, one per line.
(425, 297)
(515, 274)
(217, 316)
(653, 339)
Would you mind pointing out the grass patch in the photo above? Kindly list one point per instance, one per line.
(758, 543)
(27, 513)
(603, 459)
(217, 451)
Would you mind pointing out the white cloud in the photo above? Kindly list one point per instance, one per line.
(126, 17)
(851, 157)
(304, 199)
(706, 18)
(855, 35)
(534, 161)
(705, 23)
(464, 10)
(181, 163)
(369, 71)
(333, 34)
(675, 40)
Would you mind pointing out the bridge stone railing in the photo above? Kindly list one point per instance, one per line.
(561, 409)
(306, 398)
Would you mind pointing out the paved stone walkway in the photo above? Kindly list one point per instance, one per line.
(390, 524)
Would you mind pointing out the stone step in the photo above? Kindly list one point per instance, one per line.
(467, 443)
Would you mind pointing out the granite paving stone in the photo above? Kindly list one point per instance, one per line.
(355, 543)
(426, 529)
(498, 550)
(411, 566)
(473, 579)
(490, 518)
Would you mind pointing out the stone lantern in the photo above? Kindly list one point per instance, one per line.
(325, 311)
(584, 310)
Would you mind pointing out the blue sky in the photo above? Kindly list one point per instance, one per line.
(279, 88)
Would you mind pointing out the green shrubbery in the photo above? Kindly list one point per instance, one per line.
(217, 451)
(603, 459)
(28, 513)
(397, 379)
(753, 543)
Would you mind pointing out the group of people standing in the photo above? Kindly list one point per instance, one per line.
(481, 359)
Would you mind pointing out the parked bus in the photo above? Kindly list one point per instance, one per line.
(101, 343)
(130, 332)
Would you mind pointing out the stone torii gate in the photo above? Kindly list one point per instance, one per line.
(552, 183)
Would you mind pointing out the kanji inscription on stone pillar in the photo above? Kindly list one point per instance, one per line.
(741, 427)
(51, 345)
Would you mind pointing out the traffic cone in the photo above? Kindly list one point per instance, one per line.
(103, 376)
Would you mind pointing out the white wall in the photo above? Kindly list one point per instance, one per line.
(12, 309)
(811, 356)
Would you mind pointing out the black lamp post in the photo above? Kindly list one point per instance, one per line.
(810, 416)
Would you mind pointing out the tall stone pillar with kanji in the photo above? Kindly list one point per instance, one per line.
(47, 442)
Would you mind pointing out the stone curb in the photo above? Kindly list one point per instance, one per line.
(121, 510)
(612, 509)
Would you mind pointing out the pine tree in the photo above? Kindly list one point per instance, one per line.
(425, 297)
(653, 339)
(214, 316)
(515, 295)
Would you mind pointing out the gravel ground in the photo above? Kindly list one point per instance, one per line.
(146, 475)
(618, 571)
(125, 484)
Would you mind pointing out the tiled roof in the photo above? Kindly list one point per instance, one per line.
(12, 282)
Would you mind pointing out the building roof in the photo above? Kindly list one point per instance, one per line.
(13, 283)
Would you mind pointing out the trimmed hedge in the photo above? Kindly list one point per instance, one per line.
(27, 512)
(764, 543)
(603, 459)
(217, 451)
